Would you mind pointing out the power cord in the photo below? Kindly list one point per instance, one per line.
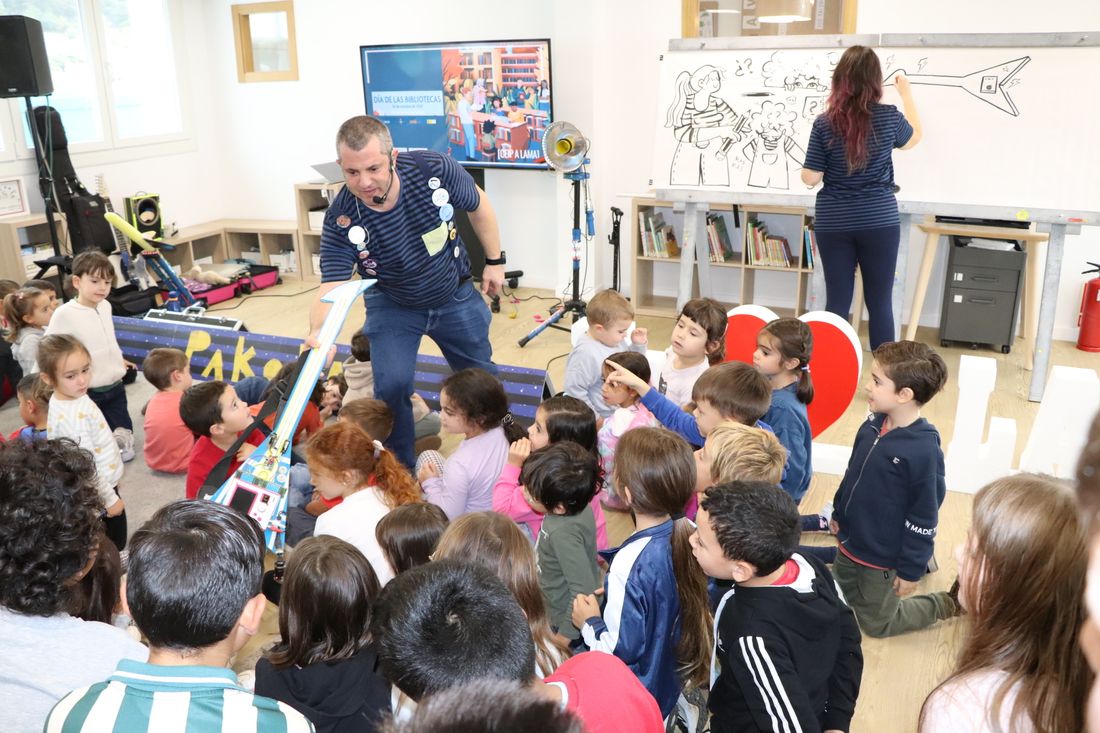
(247, 298)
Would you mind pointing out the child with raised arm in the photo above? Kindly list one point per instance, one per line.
(729, 392)
(787, 652)
(886, 508)
(629, 414)
(609, 316)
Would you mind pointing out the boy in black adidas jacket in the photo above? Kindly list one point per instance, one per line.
(787, 650)
(886, 509)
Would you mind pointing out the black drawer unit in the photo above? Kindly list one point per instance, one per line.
(981, 295)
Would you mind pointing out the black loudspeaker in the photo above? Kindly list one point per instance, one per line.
(24, 66)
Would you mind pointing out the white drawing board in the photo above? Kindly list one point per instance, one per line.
(1004, 126)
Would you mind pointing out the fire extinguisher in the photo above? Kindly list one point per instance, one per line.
(1089, 318)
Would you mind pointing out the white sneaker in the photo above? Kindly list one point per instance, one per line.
(125, 440)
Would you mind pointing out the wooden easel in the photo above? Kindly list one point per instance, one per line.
(1031, 240)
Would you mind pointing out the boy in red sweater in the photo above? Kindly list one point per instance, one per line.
(216, 416)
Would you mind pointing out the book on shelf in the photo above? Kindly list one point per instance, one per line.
(644, 235)
(809, 244)
(767, 250)
(721, 247)
(658, 238)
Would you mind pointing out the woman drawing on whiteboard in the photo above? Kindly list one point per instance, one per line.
(705, 128)
(856, 220)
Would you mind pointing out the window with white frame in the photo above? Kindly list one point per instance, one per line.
(114, 74)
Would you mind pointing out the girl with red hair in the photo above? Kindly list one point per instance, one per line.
(856, 220)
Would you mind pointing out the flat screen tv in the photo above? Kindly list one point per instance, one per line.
(485, 103)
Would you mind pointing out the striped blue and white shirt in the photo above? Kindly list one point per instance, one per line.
(149, 697)
(863, 199)
(409, 248)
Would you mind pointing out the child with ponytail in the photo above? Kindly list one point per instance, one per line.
(657, 616)
(783, 351)
(27, 312)
(472, 403)
(347, 463)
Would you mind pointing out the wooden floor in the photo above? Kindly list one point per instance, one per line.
(898, 672)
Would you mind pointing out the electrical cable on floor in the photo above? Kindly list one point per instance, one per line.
(269, 295)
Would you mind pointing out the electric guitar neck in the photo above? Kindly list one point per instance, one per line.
(259, 485)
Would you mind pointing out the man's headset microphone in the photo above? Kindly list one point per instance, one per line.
(379, 200)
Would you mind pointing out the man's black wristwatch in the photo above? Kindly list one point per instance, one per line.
(498, 260)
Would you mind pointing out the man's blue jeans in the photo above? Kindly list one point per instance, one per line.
(461, 329)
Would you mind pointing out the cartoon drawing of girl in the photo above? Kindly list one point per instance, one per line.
(705, 127)
(773, 151)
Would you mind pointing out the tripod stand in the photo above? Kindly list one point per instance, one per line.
(46, 186)
(574, 305)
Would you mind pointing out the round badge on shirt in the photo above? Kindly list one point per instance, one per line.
(343, 221)
(371, 272)
(456, 250)
(357, 234)
(434, 183)
(440, 196)
(454, 232)
(446, 212)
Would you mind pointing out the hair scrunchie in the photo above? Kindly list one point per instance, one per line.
(378, 448)
(507, 420)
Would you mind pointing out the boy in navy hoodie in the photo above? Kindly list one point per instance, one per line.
(887, 506)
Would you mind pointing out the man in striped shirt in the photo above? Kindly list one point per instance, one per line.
(394, 222)
(193, 589)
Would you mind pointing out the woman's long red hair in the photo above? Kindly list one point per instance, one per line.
(857, 85)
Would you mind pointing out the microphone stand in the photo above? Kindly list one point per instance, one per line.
(613, 240)
(574, 305)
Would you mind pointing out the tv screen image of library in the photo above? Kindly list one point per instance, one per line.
(485, 103)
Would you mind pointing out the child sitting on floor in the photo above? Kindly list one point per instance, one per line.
(609, 317)
(556, 419)
(560, 482)
(168, 441)
(34, 407)
(216, 417)
(475, 405)
(629, 413)
(783, 633)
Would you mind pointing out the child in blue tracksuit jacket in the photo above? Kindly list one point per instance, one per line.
(650, 612)
(886, 509)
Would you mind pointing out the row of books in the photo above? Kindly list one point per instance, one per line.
(658, 236)
(659, 240)
(769, 250)
(721, 246)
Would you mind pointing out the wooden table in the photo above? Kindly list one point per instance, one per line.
(1031, 240)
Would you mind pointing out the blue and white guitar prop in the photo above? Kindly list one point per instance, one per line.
(259, 486)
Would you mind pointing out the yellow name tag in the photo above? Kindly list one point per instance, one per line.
(435, 239)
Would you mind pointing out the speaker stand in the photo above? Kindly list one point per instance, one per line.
(45, 185)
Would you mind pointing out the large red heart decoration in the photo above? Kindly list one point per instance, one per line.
(836, 364)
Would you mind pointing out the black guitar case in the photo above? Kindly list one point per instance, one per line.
(83, 210)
